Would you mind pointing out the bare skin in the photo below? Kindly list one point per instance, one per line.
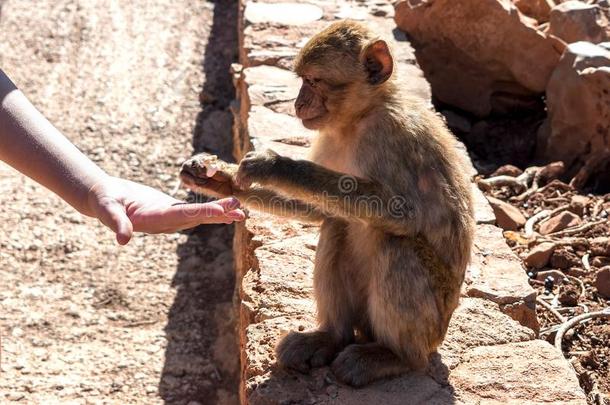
(32, 145)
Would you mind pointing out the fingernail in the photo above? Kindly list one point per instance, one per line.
(233, 203)
(236, 215)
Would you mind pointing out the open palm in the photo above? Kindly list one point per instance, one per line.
(126, 207)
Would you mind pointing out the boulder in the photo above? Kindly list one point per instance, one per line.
(575, 21)
(560, 222)
(578, 100)
(537, 9)
(508, 217)
(602, 282)
(463, 49)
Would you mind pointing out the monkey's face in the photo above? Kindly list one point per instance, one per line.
(342, 69)
(331, 93)
(310, 105)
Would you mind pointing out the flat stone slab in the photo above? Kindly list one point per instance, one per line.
(282, 13)
(531, 372)
(496, 274)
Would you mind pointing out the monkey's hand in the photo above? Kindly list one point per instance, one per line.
(256, 167)
(206, 174)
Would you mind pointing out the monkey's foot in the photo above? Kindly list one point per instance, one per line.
(361, 364)
(302, 351)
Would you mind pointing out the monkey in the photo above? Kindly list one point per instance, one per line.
(389, 186)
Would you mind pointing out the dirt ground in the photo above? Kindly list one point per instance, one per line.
(138, 86)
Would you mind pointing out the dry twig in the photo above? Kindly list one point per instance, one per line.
(578, 229)
(575, 321)
(550, 308)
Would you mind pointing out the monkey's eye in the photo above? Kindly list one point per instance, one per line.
(313, 82)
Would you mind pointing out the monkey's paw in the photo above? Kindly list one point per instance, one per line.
(302, 351)
(353, 366)
(256, 167)
(205, 173)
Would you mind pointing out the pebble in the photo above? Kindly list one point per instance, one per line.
(602, 282)
(539, 256)
(560, 222)
(15, 396)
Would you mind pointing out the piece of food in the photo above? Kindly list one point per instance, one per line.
(211, 165)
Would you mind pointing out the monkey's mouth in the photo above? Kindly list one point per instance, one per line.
(314, 122)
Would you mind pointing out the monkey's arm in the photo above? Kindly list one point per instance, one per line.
(265, 200)
(222, 184)
(330, 191)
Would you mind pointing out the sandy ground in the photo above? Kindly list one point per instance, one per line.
(138, 86)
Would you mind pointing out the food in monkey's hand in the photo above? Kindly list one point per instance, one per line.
(205, 173)
(210, 162)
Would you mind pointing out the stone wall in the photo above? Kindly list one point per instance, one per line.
(490, 352)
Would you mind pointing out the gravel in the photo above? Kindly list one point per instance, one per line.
(138, 86)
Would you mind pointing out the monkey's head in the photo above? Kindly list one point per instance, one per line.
(343, 68)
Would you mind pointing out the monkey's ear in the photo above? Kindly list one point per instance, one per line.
(378, 62)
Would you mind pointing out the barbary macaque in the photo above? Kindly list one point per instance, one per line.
(389, 185)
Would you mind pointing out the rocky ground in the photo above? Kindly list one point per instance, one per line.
(138, 86)
(562, 236)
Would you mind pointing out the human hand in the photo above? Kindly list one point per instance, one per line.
(126, 207)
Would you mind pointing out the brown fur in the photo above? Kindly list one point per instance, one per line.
(386, 281)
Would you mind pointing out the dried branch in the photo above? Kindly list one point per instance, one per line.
(575, 321)
(550, 308)
(578, 229)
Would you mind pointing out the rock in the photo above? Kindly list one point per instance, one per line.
(574, 21)
(471, 65)
(483, 213)
(578, 203)
(560, 222)
(557, 276)
(488, 317)
(578, 101)
(555, 380)
(600, 246)
(495, 273)
(569, 295)
(564, 258)
(600, 261)
(539, 256)
(508, 217)
(507, 170)
(602, 282)
(537, 9)
(282, 13)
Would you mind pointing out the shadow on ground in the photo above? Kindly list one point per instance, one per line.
(202, 358)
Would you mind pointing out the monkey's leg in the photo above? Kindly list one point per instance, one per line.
(404, 317)
(303, 350)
